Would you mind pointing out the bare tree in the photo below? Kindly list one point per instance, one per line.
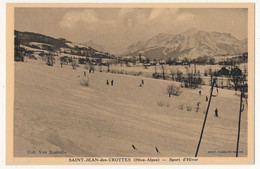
(164, 69)
(198, 72)
(179, 75)
(73, 63)
(236, 77)
(172, 73)
(187, 68)
(140, 57)
(50, 60)
(155, 68)
(210, 71)
(173, 90)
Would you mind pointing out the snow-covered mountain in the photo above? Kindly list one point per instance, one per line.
(192, 43)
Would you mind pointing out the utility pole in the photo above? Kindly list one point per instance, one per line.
(205, 119)
(241, 109)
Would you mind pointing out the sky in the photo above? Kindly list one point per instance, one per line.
(117, 28)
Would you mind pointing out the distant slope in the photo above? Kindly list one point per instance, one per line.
(191, 44)
(28, 37)
(47, 43)
(96, 46)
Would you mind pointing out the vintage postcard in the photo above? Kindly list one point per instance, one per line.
(130, 83)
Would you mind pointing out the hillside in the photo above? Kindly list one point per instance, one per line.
(40, 42)
(26, 38)
(191, 44)
(96, 46)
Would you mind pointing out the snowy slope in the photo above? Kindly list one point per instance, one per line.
(53, 112)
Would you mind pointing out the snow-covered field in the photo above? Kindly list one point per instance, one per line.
(175, 68)
(52, 111)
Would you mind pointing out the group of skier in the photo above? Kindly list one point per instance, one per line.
(216, 110)
(112, 82)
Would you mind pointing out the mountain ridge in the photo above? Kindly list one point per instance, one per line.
(191, 44)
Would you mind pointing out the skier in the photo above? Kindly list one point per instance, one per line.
(198, 104)
(216, 112)
(200, 92)
(142, 82)
(107, 82)
(134, 147)
(198, 107)
(157, 150)
(112, 82)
